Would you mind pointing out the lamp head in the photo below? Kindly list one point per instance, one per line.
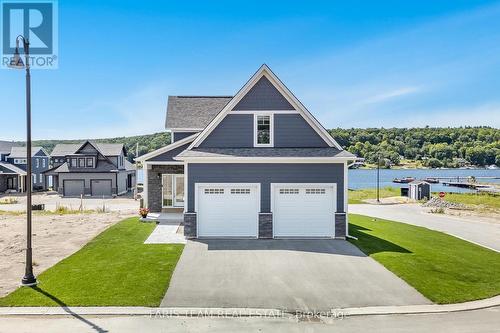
(16, 62)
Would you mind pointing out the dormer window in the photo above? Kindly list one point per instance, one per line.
(90, 162)
(263, 126)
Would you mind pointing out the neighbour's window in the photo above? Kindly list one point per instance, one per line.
(43, 163)
(81, 163)
(40, 178)
(74, 162)
(90, 162)
(263, 128)
(37, 162)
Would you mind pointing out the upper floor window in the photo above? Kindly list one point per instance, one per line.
(90, 162)
(263, 130)
(43, 162)
(74, 162)
(20, 161)
(81, 163)
(37, 162)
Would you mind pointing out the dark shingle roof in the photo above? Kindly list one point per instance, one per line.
(20, 152)
(107, 149)
(6, 146)
(102, 166)
(8, 168)
(194, 112)
(265, 152)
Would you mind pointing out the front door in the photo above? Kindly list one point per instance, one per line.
(173, 190)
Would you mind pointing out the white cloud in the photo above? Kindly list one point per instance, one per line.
(391, 94)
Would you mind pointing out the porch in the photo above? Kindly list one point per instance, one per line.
(164, 187)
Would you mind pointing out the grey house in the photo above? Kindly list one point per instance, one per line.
(253, 165)
(39, 164)
(91, 169)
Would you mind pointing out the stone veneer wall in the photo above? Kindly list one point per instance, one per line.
(155, 186)
(265, 225)
(340, 225)
(190, 225)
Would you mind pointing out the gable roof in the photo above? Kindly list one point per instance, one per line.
(7, 168)
(193, 112)
(20, 152)
(6, 146)
(264, 70)
(106, 149)
(167, 148)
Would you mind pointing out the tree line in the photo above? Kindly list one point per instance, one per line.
(433, 147)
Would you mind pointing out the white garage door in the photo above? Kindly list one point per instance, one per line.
(304, 210)
(227, 210)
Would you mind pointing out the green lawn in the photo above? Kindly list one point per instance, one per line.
(475, 199)
(115, 268)
(443, 268)
(357, 196)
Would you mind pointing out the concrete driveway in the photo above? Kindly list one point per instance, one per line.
(482, 231)
(286, 274)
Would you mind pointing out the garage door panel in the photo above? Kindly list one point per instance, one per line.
(100, 187)
(73, 188)
(304, 211)
(227, 211)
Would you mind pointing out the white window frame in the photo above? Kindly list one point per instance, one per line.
(174, 176)
(271, 129)
(39, 177)
(43, 163)
(37, 162)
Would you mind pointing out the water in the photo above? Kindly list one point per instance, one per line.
(368, 178)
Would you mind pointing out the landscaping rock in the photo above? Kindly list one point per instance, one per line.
(440, 203)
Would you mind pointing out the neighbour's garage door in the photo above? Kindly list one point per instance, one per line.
(227, 210)
(101, 187)
(304, 210)
(73, 188)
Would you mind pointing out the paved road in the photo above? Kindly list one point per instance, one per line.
(284, 274)
(476, 230)
(486, 320)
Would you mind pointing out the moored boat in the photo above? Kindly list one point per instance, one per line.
(431, 180)
(404, 180)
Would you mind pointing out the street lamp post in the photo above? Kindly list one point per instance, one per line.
(378, 177)
(16, 62)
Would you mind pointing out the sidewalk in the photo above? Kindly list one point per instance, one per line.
(247, 312)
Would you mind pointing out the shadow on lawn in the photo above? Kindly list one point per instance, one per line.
(68, 310)
(370, 244)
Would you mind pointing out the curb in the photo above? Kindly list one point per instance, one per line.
(249, 312)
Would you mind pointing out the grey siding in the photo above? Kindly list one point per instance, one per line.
(37, 171)
(263, 96)
(3, 183)
(293, 131)
(122, 182)
(234, 131)
(265, 174)
(176, 136)
(168, 156)
(86, 177)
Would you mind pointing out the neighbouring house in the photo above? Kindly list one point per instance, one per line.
(39, 164)
(91, 169)
(253, 165)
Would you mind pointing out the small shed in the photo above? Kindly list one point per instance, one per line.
(419, 189)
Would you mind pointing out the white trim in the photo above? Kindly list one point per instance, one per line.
(259, 204)
(186, 187)
(184, 129)
(271, 130)
(287, 94)
(264, 111)
(145, 186)
(163, 163)
(346, 199)
(302, 185)
(162, 150)
(266, 159)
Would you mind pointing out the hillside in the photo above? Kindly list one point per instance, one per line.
(432, 147)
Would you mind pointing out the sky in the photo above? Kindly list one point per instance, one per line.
(351, 63)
